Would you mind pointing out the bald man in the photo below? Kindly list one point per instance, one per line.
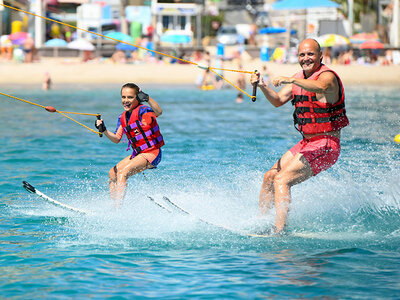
(318, 96)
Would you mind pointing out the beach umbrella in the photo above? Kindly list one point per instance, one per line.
(362, 37)
(81, 44)
(120, 36)
(56, 43)
(176, 38)
(271, 30)
(18, 41)
(302, 4)
(18, 36)
(372, 45)
(330, 40)
(4, 40)
(125, 47)
(274, 30)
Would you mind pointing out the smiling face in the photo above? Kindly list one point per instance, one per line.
(128, 98)
(309, 56)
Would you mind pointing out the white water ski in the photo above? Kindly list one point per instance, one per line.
(159, 204)
(31, 189)
(240, 232)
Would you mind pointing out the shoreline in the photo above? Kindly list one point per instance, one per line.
(148, 86)
(64, 71)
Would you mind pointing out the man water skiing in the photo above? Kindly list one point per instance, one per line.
(318, 96)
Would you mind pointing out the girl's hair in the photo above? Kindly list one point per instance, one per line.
(131, 86)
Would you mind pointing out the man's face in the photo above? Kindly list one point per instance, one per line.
(309, 57)
(128, 98)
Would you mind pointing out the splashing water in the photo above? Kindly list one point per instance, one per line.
(215, 156)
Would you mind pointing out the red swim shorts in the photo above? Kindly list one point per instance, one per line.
(321, 151)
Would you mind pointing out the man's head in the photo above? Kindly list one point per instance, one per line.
(129, 93)
(309, 56)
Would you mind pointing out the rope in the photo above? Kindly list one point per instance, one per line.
(60, 112)
(140, 47)
(79, 123)
(212, 70)
(230, 70)
(77, 113)
(26, 101)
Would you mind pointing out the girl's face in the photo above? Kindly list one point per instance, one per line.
(128, 98)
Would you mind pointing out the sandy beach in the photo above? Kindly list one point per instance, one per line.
(70, 70)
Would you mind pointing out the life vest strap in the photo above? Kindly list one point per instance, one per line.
(303, 121)
(318, 110)
(303, 98)
(152, 143)
(147, 133)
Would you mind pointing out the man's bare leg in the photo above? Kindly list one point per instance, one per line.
(297, 171)
(267, 194)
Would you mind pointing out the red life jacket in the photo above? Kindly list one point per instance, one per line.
(313, 116)
(140, 139)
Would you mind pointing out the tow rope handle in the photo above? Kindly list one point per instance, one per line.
(253, 97)
(101, 126)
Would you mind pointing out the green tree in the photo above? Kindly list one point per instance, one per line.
(359, 6)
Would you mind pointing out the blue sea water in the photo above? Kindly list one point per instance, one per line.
(344, 224)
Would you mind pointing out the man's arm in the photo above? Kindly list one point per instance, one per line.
(276, 98)
(326, 84)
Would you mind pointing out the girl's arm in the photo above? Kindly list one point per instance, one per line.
(115, 138)
(156, 108)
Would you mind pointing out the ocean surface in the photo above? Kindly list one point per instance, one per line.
(343, 238)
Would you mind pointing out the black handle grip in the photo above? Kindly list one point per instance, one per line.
(101, 126)
(253, 97)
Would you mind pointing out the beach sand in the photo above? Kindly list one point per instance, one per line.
(70, 71)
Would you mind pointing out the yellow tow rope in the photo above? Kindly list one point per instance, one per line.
(253, 97)
(52, 109)
(64, 113)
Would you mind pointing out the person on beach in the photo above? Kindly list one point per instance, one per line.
(46, 84)
(241, 83)
(138, 122)
(318, 96)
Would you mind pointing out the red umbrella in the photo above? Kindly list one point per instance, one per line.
(372, 45)
(360, 38)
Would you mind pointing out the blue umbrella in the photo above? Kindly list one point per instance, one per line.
(302, 4)
(120, 36)
(125, 47)
(176, 38)
(272, 30)
(56, 43)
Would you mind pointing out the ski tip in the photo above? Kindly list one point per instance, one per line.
(28, 187)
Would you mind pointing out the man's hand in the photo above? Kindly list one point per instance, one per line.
(257, 78)
(282, 80)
